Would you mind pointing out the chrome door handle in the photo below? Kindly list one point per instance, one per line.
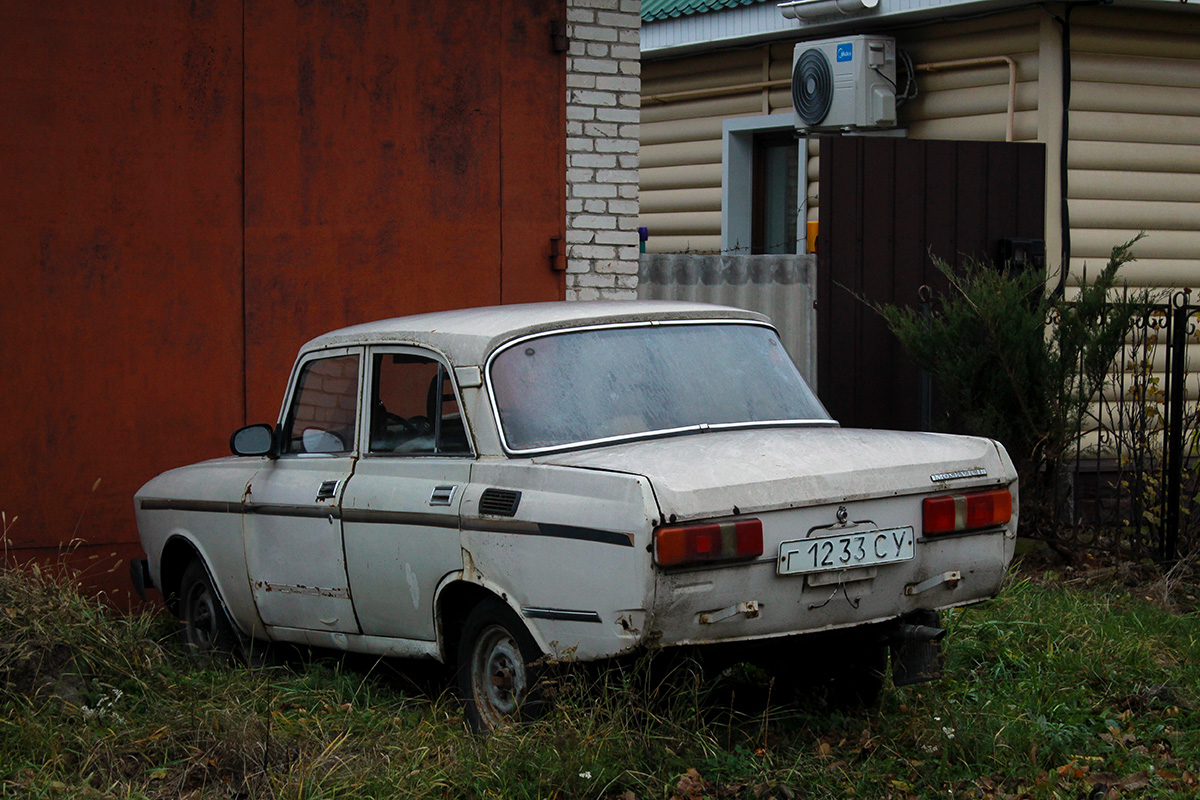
(442, 495)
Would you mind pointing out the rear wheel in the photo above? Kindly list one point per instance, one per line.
(496, 668)
(205, 628)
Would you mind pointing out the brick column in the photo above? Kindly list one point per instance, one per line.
(603, 110)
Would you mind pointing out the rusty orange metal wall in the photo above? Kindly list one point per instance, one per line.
(397, 161)
(190, 191)
(120, 258)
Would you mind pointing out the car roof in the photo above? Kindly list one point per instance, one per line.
(468, 335)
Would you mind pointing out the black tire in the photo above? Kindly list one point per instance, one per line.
(497, 669)
(204, 626)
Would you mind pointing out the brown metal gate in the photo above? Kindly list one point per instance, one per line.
(190, 191)
(886, 205)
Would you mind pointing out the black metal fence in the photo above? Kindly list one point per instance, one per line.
(1134, 480)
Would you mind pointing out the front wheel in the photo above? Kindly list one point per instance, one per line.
(496, 668)
(205, 628)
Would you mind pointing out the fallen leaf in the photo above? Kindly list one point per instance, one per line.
(691, 784)
(1139, 780)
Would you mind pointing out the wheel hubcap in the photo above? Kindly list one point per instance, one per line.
(497, 676)
(201, 616)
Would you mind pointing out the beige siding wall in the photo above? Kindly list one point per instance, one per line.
(1134, 158)
(972, 102)
(684, 103)
(686, 100)
(1134, 155)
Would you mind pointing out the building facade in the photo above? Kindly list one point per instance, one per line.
(1110, 90)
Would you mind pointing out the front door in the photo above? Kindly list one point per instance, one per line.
(293, 525)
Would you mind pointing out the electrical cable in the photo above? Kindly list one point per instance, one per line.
(1064, 205)
(910, 82)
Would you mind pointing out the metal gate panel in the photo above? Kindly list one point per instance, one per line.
(887, 205)
(191, 191)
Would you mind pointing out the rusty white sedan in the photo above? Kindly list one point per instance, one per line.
(577, 480)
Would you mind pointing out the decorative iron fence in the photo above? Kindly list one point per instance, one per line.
(1134, 479)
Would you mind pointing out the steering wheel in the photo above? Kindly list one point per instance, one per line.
(396, 419)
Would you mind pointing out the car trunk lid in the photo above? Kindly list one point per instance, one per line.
(710, 474)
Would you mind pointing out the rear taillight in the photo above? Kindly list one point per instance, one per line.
(954, 513)
(678, 545)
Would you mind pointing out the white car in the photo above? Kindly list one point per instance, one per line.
(576, 480)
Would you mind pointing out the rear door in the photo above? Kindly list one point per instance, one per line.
(401, 507)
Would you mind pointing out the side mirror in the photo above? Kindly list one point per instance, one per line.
(253, 440)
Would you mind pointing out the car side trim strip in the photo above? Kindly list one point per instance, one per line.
(307, 512)
(565, 614)
(371, 516)
(548, 529)
(210, 506)
(217, 507)
(397, 518)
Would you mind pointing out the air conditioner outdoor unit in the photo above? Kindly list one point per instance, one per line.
(845, 84)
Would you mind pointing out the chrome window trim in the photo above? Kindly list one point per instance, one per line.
(634, 437)
(303, 360)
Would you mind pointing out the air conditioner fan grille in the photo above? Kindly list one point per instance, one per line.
(812, 86)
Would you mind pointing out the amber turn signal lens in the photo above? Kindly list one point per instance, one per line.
(966, 512)
(679, 545)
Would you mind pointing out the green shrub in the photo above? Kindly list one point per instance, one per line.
(1014, 363)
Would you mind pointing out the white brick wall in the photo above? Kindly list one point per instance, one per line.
(603, 102)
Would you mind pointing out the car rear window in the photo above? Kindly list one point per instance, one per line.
(596, 385)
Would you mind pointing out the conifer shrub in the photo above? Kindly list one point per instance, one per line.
(1014, 362)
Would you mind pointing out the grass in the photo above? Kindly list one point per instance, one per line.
(1054, 690)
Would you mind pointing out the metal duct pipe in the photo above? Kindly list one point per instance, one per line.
(805, 10)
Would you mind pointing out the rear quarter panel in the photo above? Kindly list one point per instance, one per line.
(578, 546)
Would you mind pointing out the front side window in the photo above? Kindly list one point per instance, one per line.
(414, 410)
(321, 418)
(600, 384)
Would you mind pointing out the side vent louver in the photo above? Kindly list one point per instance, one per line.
(499, 502)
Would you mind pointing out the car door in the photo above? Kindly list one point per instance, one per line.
(293, 525)
(400, 508)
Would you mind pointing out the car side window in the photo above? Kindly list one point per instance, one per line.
(321, 418)
(413, 409)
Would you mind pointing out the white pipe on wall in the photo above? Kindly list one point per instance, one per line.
(967, 63)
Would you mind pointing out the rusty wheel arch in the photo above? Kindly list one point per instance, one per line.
(176, 555)
(454, 603)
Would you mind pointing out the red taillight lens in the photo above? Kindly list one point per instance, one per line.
(678, 545)
(966, 512)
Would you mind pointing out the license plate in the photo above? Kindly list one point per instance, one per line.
(863, 549)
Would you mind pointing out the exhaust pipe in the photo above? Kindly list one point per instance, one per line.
(918, 633)
(916, 648)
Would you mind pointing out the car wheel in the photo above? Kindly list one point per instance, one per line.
(205, 628)
(497, 674)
